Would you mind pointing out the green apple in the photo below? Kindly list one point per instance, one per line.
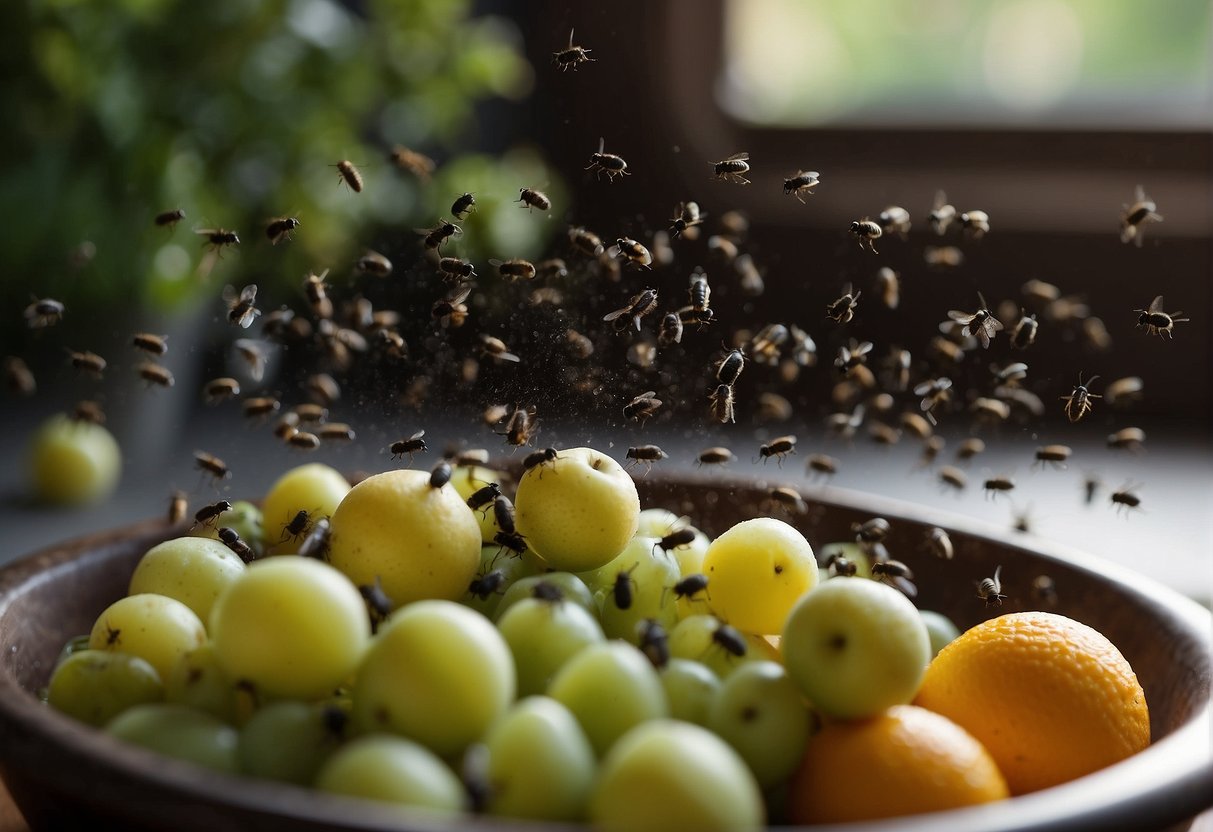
(73, 462)
(760, 712)
(940, 630)
(181, 732)
(419, 541)
(641, 577)
(579, 511)
(396, 771)
(95, 686)
(567, 585)
(541, 766)
(856, 647)
(314, 488)
(610, 688)
(542, 636)
(667, 774)
(757, 570)
(193, 570)
(690, 688)
(197, 680)
(438, 673)
(287, 741)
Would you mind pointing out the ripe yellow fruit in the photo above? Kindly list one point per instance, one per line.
(419, 541)
(314, 488)
(757, 571)
(1051, 698)
(903, 761)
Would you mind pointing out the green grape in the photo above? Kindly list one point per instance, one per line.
(571, 588)
(542, 636)
(541, 766)
(610, 688)
(511, 569)
(690, 688)
(154, 627)
(695, 638)
(181, 732)
(192, 570)
(198, 681)
(290, 741)
(392, 770)
(437, 673)
(760, 712)
(294, 628)
(658, 522)
(94, 686)
(73, 462)
(667, 775)
(641, 577)
(940, 630)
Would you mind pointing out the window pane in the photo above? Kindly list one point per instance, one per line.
(969, 62)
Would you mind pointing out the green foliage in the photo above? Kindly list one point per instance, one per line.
(233, 110)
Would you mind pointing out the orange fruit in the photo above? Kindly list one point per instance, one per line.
(1050, 698)
(904, 761)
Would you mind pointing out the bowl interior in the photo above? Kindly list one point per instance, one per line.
(60, 772)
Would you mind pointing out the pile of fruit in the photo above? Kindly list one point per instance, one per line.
(423, 640)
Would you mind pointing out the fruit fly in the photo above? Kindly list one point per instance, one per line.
(87, 362)
(436, 236)
(440, 474)
(572, 56)
(874, 530)
(820, 464)
(1044, 590)
(303, 440)
(242, 309)
(686, 215)
(1126, 498)
(316, 291)
(154, 373)
(788, 499)
(942, 214)
(482, 498)
(451, 310)
(1130, 439)
(316, 544)
(840, 566)
(1012, 373)
(1078, 403)
(335, 432)
(531, 198)
(378, 604)
(410, 161)
(375, 264)
(975, 224)
(298, 526)
(867, 233)
(895, 220)
(939, 544)
(670, 331)
(953, 478)
(842, 310)
(585, 242)
(232, 540)
(156, 345)
(503, 514)
(454, 269)
(413, 445)
(515, 268)
(280, 229)
(217, 238)
(654, 643)
(1054, 455)
(462, 206)
(178, 507)
(89, 411)
(1135, 217)
(622, 589)
(207, 515)
(635, 253)
(888, 287)
(521, 426)
(732, 168)
(730, 639)
(677, 539)
(496, 349)
(44, 312)
(511, 541)
(778, 448)
(896, 574)
(990, 589)
(490, 583)
(637, 307)
(169, 219)
(800, 183)
(730, 367)
(998, 485)
(648, 454)
(1124, 391)
(715, 456)
(642, 407)
(721, 404)
(540, 457)
(350, 174)
(607, 163)
(981, 323)
(851, 356)
(1156, 321)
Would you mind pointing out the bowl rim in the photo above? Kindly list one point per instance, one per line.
(1175, 771)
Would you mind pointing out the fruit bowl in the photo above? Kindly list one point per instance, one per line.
(64, 775)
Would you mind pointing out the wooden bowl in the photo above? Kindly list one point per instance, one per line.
(65, 775)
